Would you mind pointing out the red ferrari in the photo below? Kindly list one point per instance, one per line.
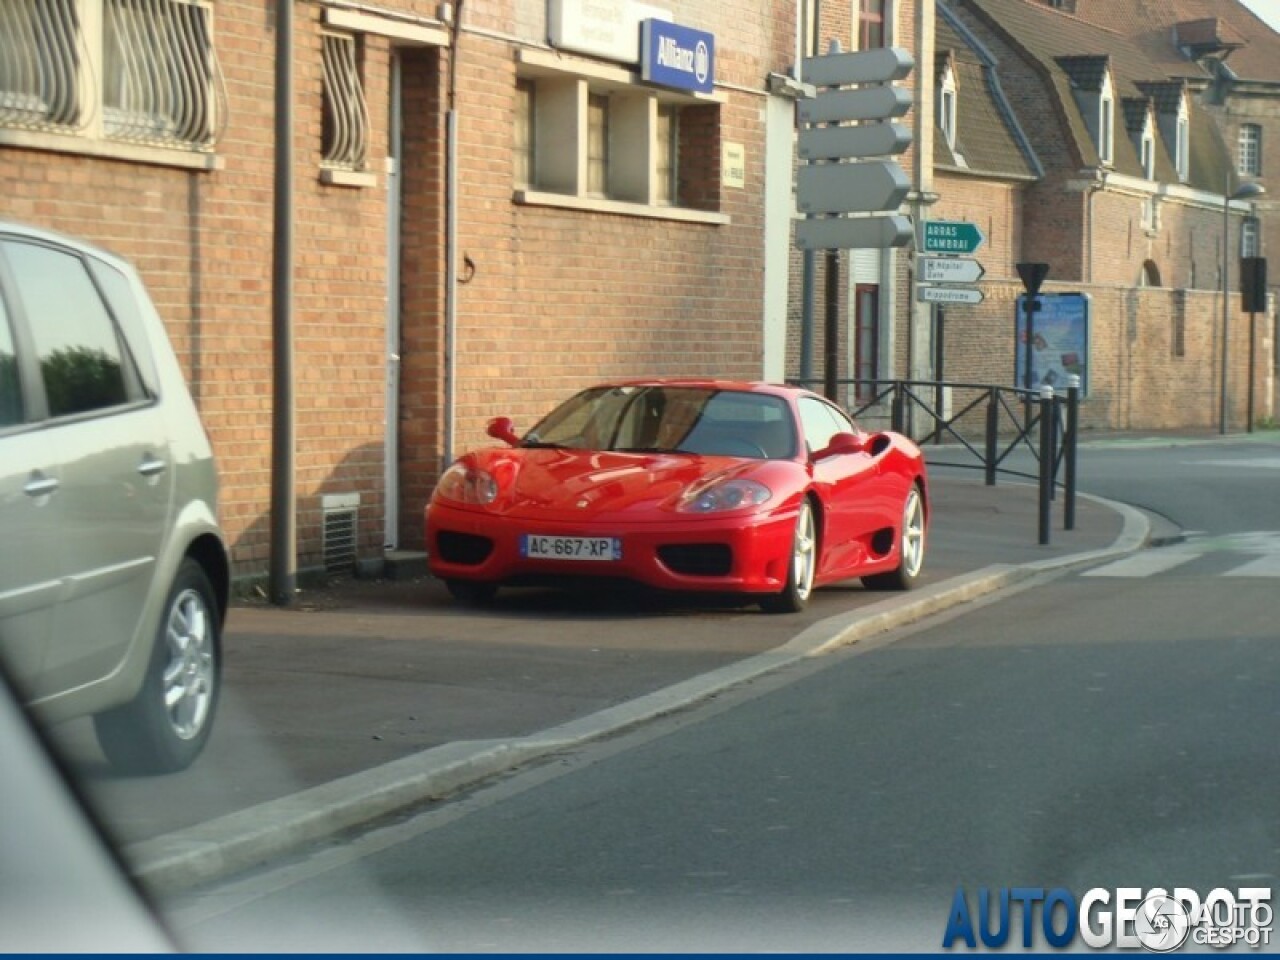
(693, 485)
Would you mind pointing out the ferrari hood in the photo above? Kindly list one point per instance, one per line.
(578, 484)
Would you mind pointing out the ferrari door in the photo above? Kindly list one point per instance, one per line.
(845, 483)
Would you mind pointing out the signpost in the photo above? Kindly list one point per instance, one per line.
(949, 270)
(837, 179)
(966, 295)
(952, 236)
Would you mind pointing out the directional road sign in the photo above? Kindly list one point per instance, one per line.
(871, 140)
(949, 269)
(850, 187)
(881, 65)
(868, 103)
(854, 233)
(951, 236)
(950, 295)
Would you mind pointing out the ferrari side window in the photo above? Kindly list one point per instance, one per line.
(818, 423)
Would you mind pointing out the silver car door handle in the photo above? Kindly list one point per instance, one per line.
(150, 466)
(39, 485)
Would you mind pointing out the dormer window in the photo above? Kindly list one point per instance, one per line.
(1183, 149)
(1106, 122)
(947, 107)
(1149, 149)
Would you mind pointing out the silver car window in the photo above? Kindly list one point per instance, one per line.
(77, 346)
(10, 387)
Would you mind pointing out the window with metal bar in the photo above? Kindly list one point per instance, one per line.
(137, 71)
(41, 53)
(345, 124)
(158, 72)
(871, 20)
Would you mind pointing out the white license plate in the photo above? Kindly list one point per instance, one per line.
(534, 546)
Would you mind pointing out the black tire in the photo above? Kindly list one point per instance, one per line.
(164, 728)
(471, 593)
(911, 547)
(794, 597)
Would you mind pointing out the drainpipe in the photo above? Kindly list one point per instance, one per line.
(283, 565)
(451, 244)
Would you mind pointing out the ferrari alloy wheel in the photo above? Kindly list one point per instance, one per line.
(794, 597)
(911, 547)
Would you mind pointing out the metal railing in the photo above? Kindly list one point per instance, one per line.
(990, 426)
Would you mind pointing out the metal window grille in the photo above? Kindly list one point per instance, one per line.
(161, 82)
(341, 516)
(345, 125)
(41, 55)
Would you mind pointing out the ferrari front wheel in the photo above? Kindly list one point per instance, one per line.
(794, 597)
(911, 545)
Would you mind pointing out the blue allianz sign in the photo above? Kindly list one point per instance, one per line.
(676, 56)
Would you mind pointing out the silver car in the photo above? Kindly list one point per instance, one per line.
(114, 576)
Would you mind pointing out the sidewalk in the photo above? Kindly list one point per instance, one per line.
(370, 697)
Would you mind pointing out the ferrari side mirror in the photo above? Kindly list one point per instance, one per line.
(501, 428)
(842, 443)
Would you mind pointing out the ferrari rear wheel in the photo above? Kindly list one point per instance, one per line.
(911, 546)
(471, 593)
(794, 597)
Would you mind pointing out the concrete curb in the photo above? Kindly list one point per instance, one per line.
(249, 837)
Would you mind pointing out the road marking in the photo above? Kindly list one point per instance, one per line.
(1267, 565)
(1143, 564)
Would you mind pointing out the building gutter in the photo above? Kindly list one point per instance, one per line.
(451, 247)
(282, 570)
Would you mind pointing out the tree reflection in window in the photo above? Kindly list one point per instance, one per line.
(10, 394)
(79, 379)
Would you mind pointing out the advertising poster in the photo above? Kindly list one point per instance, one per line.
(1059, 341)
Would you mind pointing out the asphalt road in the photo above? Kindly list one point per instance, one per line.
(1086, 731)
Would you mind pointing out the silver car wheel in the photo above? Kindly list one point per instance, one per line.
(189, 673)
(913, 533)
(804, 552)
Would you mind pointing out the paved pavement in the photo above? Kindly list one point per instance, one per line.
(369, 698)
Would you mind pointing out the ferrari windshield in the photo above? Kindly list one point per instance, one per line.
(670, 419)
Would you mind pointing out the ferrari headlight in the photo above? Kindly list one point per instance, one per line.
(724, 495)
(467, 484)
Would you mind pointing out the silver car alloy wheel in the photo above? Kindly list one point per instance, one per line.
(189, 671)
(804, 552)
(913, 533)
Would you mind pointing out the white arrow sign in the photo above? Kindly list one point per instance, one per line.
(851, 187)
(854, 233)
(949, 270)
(950, 295)
(871, 140)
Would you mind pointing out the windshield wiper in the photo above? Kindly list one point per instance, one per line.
(645, 450)
(542, 445)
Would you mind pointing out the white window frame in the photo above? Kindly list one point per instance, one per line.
(1106, 123)
(118, 77)
(636, 180)
(1249, 162)
(1250, 233)
(947, 107)
(1148, 148)
(1182, 142)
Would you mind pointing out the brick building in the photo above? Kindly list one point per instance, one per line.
(1079, 134)
(491, 208)
(492, 205)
